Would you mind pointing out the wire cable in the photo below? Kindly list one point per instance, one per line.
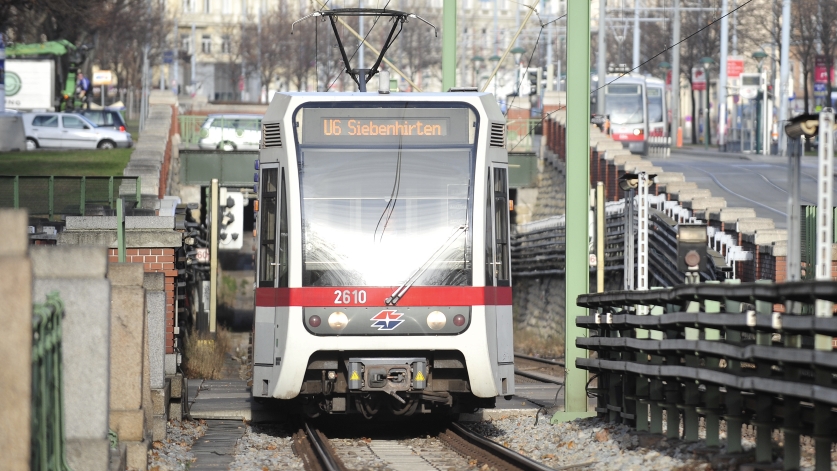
(360, 18)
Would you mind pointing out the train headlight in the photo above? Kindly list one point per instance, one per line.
(459, 320)
(637, 132)
(436, 320)
(338, 320)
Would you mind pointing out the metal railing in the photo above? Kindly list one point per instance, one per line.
(47, 440)
(190, 128)
(745, 352)
(50, 196)
(520, 134)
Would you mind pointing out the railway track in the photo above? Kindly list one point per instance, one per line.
(541, 370)
(454, 447)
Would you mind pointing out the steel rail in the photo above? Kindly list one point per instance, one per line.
(542, 360)
(327, 461)
(516, 459)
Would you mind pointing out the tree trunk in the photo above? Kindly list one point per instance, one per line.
(694, 122)
(805, 87)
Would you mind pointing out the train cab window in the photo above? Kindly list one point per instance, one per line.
(489, 233)
(267, 232)
(283, 235)
(501, 228)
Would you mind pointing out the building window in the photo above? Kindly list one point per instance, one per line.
(188, 6)
(186, 43)
(226, 7)
(225, 44)
(243, 7)
(206, 6)
(206, 44)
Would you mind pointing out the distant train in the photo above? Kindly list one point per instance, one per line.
(383, 276)
(637, 109)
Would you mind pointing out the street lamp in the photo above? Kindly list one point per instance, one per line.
(478, 61)
(759, 55)
(706, 62)
(517, 52)
(494, 60)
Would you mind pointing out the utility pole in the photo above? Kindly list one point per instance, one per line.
(193, 60)
(783, 75)
(176, 59)
(361, 49)
(259, 37)
(675, 77)
(635, 62)
(3, 76)
(601, 63)
(448, 45)
(722, 78)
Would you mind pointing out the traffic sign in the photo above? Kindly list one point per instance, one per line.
(735, 66)
(698, 79)
(820, 90)
(103, 77)
(168, 57)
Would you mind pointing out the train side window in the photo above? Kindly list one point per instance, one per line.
(283, 234)
(501, 228)
(267, 230)
(489, 234)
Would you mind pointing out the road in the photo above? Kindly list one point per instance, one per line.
(745, 180)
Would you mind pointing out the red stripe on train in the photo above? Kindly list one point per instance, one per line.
(375, 296)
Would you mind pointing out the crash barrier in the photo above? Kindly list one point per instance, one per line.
(47, 442)
(659, 145)
(718, 351)
(51, 196)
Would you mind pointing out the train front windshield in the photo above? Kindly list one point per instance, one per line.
(655, 104)
(624, 104)
(384, 191)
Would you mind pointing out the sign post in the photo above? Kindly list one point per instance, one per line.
(2, 74)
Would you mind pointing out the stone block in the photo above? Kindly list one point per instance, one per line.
(15, 344)
(154, 282)
(85, 223)
(156, 325)
(92, 454)
(158, 428)
(745, 225)
(779, 248)
(177, 385)
(613, 153)
(137, 455)
(620, 160)
(127, 345)
(69, 262)
(765, 236)
(159, 400)
(701, 204)
(688, 195)
(636, 165)
(85, 351)
(129, 425)
(136, 238)
(727, 215)
(172, 360)
(125, 274)
(608, 144)
(15, 233)
(669, 177)
(176, 411)
(152, 155)
(674, 187)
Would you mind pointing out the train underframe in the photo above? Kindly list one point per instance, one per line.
(385, 384)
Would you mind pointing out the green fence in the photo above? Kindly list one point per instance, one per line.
(47, 394)
(190, 128)
(520, 134)
(51, 196)
(808, 237)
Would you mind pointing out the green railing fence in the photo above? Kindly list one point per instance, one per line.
(47, 438)
(748, 353)
(191, 127)
(50, 196)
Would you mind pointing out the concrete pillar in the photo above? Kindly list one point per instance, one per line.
(78, 275)
(130, 385)
(15, 341)
(155, 300)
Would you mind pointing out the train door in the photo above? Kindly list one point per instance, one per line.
(498, 270)
(272, 273)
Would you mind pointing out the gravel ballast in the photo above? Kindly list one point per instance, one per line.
(173, 453)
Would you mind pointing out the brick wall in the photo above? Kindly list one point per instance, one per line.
(156, 261)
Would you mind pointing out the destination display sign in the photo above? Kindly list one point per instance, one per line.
(365, 127)
(361, 126)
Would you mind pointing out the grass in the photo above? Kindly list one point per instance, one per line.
(65, 162)
(204, 357)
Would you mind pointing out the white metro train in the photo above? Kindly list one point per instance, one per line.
(383, 277)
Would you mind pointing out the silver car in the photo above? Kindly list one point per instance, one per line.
(51, 130)
(231, 132)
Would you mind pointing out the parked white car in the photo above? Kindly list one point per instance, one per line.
(231, 132)
(70, 131)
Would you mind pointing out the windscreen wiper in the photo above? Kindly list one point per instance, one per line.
(392, 300)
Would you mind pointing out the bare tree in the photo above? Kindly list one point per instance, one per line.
(828, 38)
(804, 36)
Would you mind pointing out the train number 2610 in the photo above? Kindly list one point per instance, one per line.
(346, 297)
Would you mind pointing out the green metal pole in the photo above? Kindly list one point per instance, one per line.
(120, 229)
(110, 192)
(577, 276)
(139, 192)
(82, 197)
(17, 192)
(449, 45)
(51, 196)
